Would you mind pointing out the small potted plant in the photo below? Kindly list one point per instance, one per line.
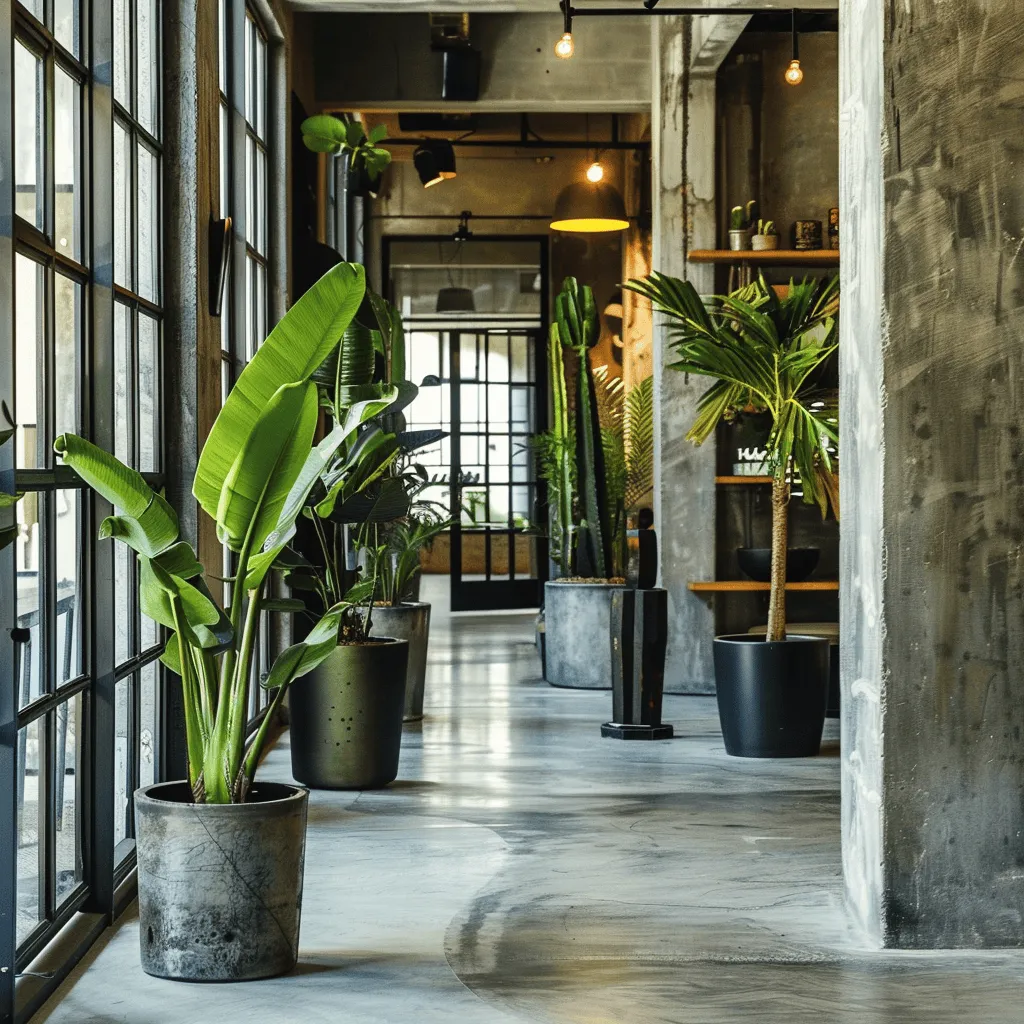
(764, 237)
(764, 353)
(741, 225)
(220, 854)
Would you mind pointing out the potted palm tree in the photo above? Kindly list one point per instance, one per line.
(221, 854)
(764, 354)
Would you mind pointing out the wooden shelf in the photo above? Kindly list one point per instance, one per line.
(768, 257)
(743, 479)
(735, 586)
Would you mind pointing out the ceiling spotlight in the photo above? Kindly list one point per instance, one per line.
(595, 172)
(434, 160)
(794, 73)
(565, 47)
(587, 209)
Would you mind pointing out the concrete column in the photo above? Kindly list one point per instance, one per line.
(932, 599)
(682, 132)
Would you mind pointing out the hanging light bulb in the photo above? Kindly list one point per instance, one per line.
(595, 172)
(565, 47)
(794, 73)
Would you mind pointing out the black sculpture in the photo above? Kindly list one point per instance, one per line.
(639, 634)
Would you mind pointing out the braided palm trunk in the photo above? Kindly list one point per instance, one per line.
(780, 544)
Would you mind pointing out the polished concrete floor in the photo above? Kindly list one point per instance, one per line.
(522, 869)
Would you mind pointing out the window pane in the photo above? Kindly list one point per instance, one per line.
(34, 7)
(67, 296)
(224, 205)
(67, 24)
(124, 603)
(149, 225)
(122, 207)
(147, 29)
(67, 796)
(66, 164)
(29, 293)
(149, 726)
(222, 36)
(148, 392)
(31, 819)
(122, 755)
(250, 191)
(250, 69)
(261, 86)
(28, 652)
(28, 135)
(68, 529)
(122, 52)
(261, 201)
(122, 376)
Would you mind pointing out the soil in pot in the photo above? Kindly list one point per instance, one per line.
(410, 621)
(346, 716)
(220, 885)
(771, 695)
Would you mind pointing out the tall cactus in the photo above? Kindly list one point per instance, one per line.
(579, 330)
(560, 475)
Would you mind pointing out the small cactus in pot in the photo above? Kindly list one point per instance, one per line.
(765, 237)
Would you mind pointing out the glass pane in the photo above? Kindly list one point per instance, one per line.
(520, 358)
(261, 305)
(29, 404)
(467, 358)
(222, 36)
(34, 7)
(67, 24)
(67, 296)
(224, 205)
(122, 756)
(250, 192)
(68, 529)
(148, 704)
(31, 822)
(122, 207)
(149, 225)
(497, 407)
(28, 651)
(122, 52)
(67, 782)
(471, 398)
(28, 135)
(261, 86)
(67, 164)
(124, 603)
(250, 69)
(261, 200)
(148, 392)
(497, 358)
(498, 458)
(122, 378)
(147, 29)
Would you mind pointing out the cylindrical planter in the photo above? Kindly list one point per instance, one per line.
(409, 622)
(346, 716)
(220, 885)
(771, 695)
(759, 243)
(739, 239)
(577, 623)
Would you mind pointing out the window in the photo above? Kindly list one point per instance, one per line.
(86, 358)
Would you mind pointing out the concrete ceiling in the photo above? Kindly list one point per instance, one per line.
(529, 6)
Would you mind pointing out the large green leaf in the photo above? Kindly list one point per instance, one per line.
(157, 587)
(304, 338)
(145, 521)
(274, 452)
(323, 133)
(303, 657)
(383, 502)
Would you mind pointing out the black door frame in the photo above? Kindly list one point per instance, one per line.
(487, 594)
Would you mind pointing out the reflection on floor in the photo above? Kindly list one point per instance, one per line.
(524, 869)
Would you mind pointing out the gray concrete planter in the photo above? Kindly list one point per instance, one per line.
(346, 717)
(577, 620)
(408, 621)
(220, 885)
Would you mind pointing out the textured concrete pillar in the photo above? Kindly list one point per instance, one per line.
(682, 130)
(932, 622)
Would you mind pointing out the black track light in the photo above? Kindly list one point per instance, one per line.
(435, 161)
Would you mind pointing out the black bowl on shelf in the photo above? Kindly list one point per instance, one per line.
(757, 563)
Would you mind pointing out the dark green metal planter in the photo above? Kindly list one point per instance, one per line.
(346, 717)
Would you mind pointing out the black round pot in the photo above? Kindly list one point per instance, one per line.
(220, 885)
(757, 563)
(346, 716)
(410, 621)
(771, 695)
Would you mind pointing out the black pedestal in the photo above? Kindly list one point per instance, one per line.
(615, 731)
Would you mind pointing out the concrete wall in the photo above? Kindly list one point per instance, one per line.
(384, 61)
(932, 618)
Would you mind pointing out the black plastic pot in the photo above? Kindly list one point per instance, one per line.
(757, 563)
(346, 717)
(771, 695)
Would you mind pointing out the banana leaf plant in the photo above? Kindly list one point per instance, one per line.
(325, 133)
(764, 354)
(256, 473)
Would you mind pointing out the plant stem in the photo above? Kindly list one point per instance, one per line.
(194, 733)
(780, 543)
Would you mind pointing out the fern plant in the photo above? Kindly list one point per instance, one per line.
(763, 352)
(638, 442)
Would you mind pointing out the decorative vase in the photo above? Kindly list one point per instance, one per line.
(739, 239)
(577, 620)
(761, 243)
(346, 716)
(220, 885)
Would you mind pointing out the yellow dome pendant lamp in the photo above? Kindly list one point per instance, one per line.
(588, 208)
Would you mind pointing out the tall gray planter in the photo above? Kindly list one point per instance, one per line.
(408, 621)
(346, 717)
(220, 885)
(577, 621)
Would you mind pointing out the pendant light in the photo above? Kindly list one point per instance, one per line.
(794, 73)
(565, 47)
(455, 298)
(589, 208)
(434, 161)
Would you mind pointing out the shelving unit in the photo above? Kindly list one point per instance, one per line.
(742, 480)
(736, 586)
(768, 257)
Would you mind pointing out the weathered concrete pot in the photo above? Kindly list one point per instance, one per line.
(220, 885)
(408, 621)
(577, 620)
(346, 717)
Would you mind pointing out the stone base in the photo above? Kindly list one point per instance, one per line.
(615, 731)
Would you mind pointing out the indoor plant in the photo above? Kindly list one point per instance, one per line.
(220, 856)
(764, 236)
(765, 353)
